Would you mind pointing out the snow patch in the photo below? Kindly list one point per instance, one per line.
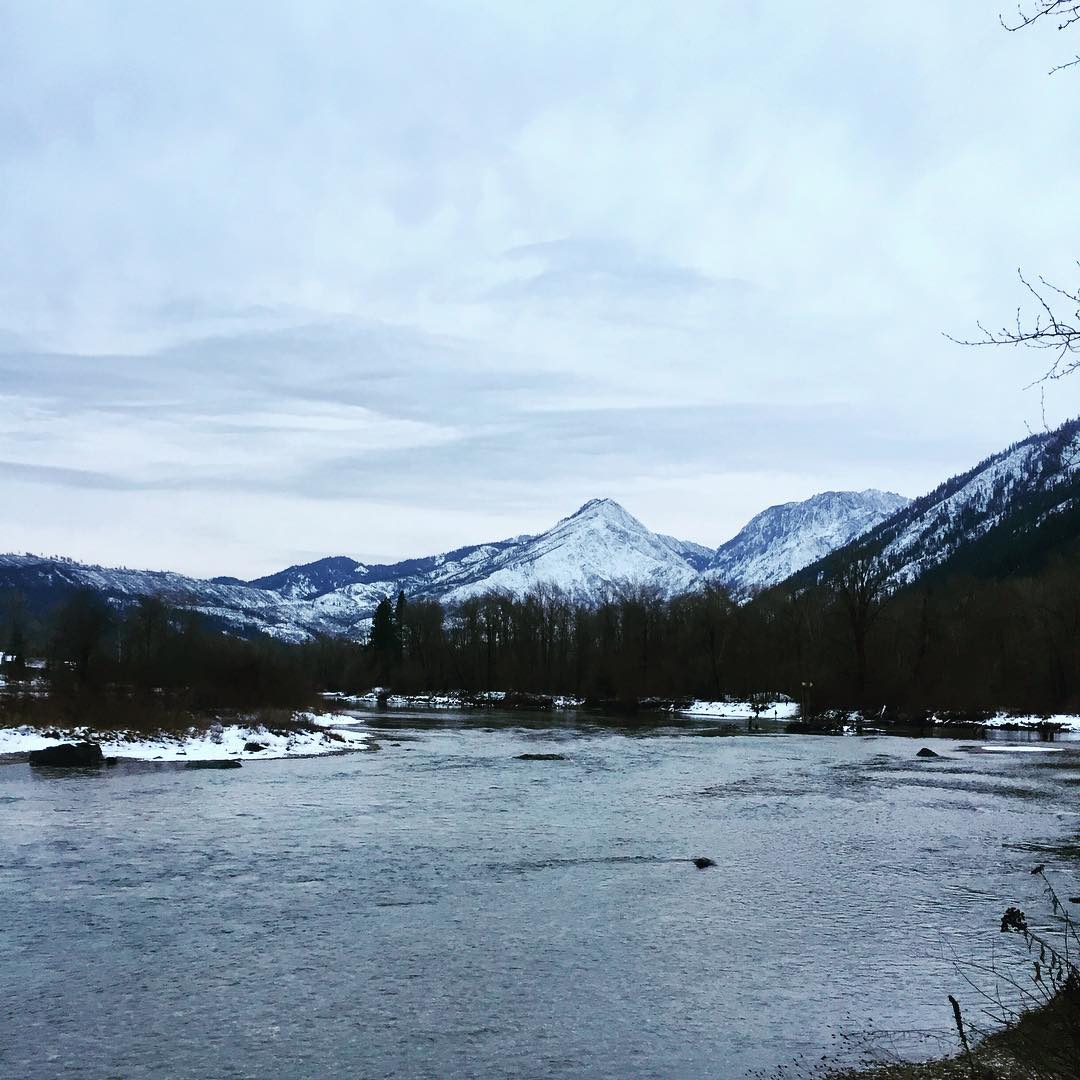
(741, 710)
(216, 743)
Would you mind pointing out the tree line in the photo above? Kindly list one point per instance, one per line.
(962, 643)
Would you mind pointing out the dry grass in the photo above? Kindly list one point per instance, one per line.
(134, 715)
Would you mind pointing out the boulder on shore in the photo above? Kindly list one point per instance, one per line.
(254, 747)
(225, 763)
(927, 752)
(80, 755)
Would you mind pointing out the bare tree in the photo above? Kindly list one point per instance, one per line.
(861, 590)
(1054, 322)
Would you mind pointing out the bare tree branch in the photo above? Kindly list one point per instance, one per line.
(1067, 12)
(1049, 327)
(1044, 329)
(1067, 64)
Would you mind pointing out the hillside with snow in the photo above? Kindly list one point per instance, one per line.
(1003, 516)
(783, 539)
(598, 548)
(44, 582)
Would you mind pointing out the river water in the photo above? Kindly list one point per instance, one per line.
(442, 909)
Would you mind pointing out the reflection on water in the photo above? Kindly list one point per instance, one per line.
(442, 909)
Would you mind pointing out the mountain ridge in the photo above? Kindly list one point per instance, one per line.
(784, 538)
(598, 548)
(1003, 501)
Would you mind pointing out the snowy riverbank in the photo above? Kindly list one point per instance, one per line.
(327, 734)
(502, 699)
(778, 710)
(455, 699)
(1008, 722)
(740, 710)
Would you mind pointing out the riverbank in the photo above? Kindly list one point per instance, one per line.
(304, 734)
(155, 731)
(1044, 1044)
(774, 708)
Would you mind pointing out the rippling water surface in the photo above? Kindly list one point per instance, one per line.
(441, 909)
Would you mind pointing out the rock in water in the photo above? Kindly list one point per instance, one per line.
(228, 763)
(702, 863)
(69, 756)
(927, 752)
(541, 757)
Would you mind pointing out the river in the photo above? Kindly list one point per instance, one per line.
(443, 909)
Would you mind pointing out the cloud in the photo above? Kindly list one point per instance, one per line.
(571, 269)
(422, 274)
(58, 476)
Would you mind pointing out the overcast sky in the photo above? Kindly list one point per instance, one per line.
(281, 280)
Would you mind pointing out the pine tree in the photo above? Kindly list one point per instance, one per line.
(399, 622)
(384, 639)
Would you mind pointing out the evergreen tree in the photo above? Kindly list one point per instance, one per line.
(384, 638)
(400, 619)
(16, 636)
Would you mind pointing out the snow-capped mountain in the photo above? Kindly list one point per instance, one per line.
(1002, 515)
(600, 547)
(999, 517)
(594, 551)
(236, 606)
(783, 539)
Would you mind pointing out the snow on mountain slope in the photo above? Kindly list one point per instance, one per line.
(313, 579)
(697, 555)
(240, 608)
(598, 549)
(783, 539)
(351, 578)
(1015, 492)
(586, 554)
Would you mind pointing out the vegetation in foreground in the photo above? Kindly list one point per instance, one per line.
(1040, 1045)
(1026, 1025)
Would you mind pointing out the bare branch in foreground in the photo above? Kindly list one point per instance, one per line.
(1067, 12)
(1047, 328)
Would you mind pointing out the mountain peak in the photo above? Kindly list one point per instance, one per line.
(597, 505)
(606, 510)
